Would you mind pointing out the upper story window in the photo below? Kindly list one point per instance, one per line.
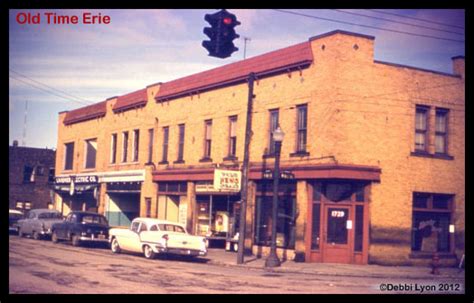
(166, 132)
(441, 131)
(151, 135)
(113, 148)
(274, 115)
(421, 128)
(28, 174)
(207, 138)
(302, 112)
(125, 146)
(136, 144)
(68, 155)
(91, 153)
(181, 128)
(232, 136)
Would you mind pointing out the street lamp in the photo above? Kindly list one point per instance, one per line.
(272, 260)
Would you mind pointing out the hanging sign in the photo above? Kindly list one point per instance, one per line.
(227, 180)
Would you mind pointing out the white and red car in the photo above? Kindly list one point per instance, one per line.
(153, 237)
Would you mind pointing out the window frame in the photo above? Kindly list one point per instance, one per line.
(125, 138)
(87, 143)
(207, 139)
(113, 148)
(165, 147)
(274, 120)
(66, 156)
(445, 134)
(232, 152)
(301, 132)
(424, 132)
(136, 145)
(151, 139)
(181, 139)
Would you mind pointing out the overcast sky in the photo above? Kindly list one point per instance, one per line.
(57, 67)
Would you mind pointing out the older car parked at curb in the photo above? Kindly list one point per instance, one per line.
(13, 217)
(154, 237)
(81, 226)
(38, 223)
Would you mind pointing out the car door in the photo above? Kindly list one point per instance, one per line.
(26, 227)
(130, 240)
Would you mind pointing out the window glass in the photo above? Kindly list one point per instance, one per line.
(154, 228)
(336, 225)
(339, 191)
(285, 222)
(441, 201)
(135, 226)
(359, 228)
(91, 153)
(315, 226)
(143, 227)
(420, 200)
(94, 219)
(430, 232)
(69, 155)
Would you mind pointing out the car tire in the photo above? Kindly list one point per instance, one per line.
(36, 236)
(75, 240)
(54, 237)
(148, 252)
(114, 246)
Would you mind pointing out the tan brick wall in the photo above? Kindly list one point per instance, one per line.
(359, 111)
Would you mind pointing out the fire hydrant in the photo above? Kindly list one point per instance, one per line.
(435, 264)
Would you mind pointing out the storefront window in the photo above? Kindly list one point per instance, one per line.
(431, 220)
(286, 224)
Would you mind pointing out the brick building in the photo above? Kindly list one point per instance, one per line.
(376, 150)
(31, 176)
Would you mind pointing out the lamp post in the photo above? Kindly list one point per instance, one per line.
(272, 260)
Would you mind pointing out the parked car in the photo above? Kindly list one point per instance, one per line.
(81, 226)
(153, 237)
(38, 223)
(13, 217)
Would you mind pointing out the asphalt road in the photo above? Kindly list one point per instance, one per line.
(42, 267)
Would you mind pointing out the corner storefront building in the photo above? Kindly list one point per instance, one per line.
(375, 151)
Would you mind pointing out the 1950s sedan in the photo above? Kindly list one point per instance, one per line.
(153, 237)
(38, 223)
(81, 226)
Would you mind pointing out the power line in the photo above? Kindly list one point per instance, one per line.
(51, 88)
(398, 22)
(419, 19)
(45, 90)
(368, 26)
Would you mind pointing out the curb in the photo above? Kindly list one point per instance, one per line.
(426, 276)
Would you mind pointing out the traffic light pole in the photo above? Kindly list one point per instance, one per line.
(245, 172)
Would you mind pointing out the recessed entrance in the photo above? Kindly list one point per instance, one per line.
(337, 229)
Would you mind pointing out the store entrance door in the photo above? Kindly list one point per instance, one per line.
(337, 234)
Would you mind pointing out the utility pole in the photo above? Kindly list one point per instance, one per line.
(245, 45)
(24, 124)
(245, 172)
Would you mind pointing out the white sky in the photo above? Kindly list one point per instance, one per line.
(141, 47)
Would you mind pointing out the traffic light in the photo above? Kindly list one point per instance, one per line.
(221, 34)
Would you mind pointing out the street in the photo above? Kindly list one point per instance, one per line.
(42, 267)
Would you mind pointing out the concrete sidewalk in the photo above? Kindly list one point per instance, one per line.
(225, 258)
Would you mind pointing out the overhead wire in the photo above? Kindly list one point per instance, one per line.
(368, 26)
(52, 88)
(414, 18)
(398, 22)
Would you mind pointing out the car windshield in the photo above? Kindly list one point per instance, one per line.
(94, 219)
(51, 215)
(171, 227)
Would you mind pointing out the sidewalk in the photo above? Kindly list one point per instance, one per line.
(225, 258)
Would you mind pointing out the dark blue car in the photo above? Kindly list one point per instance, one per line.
(80, 227)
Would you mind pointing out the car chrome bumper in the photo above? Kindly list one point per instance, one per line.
(181, 251)
(94, 239)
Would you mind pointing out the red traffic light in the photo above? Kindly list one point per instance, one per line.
(227, 21)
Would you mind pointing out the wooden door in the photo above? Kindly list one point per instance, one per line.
(336, 234)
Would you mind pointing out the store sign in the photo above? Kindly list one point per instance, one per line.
(86, 179)
(205, 188)
(227, 180)
(268, 174)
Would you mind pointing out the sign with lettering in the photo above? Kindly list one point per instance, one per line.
(268, 174)
(227, 180)
(85, 179)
